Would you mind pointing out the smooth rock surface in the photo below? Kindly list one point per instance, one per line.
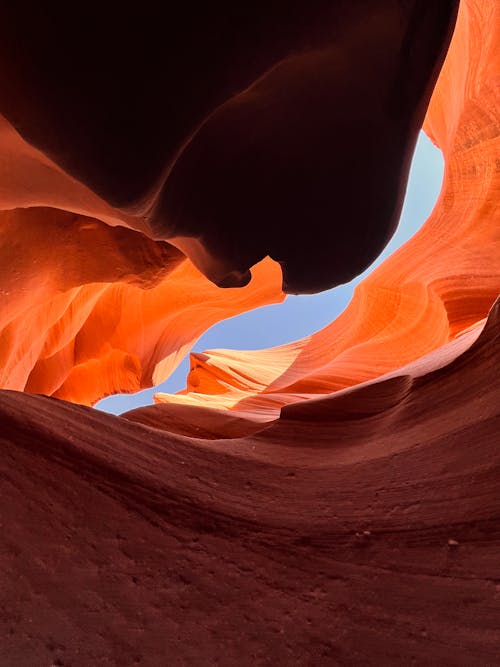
(334, 536)
(442, 281)
(334, 501)
(235, 131)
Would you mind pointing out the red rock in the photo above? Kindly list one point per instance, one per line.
(339, 506)
(123, 542)
(438, 284)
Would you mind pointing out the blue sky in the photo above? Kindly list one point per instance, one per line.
(300, 316)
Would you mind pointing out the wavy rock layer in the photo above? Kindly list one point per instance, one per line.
(80, 324)
(436, 286)
(344, 510)
(92, 309)
(361, 528)
(231, 130)
(90, 305)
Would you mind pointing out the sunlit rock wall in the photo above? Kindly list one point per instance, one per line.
(344, 510)
(441, 282)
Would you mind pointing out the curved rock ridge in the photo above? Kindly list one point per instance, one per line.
(81, 324)
(236, 132)
(437, 285)
(196, 415)
(358, 528)
(90, 310)
(313, 132)
(334, 501)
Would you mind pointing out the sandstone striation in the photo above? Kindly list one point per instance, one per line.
(333, 501)
(437, 285)
(358, 528)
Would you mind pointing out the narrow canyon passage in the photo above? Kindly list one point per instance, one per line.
(330, 498)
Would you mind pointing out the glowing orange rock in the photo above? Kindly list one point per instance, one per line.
(440, 283)
(359, 526)
(80, 325)
(90, 309)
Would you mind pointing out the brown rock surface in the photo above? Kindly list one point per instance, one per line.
(322, 539)
(238, 131)
(339, 506)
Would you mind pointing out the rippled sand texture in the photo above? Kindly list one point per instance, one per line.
(362, 528)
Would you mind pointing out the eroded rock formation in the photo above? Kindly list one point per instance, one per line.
(236, 132)
(441, 282)
(359, 528)
(332, 501)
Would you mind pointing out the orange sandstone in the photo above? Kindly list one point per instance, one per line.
(91, 308)
(437, 285)
(340, 504)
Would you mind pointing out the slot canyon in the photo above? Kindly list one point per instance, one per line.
(330, 501)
